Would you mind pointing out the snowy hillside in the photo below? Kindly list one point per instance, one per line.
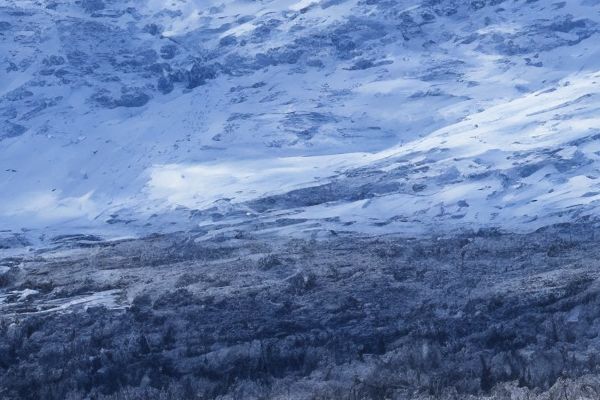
(146, 116)
(299, 199)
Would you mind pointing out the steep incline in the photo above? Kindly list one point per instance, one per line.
(373, 115)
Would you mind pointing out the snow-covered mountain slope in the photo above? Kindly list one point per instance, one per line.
(367, 115)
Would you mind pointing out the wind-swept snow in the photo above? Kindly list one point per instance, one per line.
(143, 116)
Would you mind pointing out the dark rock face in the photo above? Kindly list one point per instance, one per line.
(10, 130)
(200, 73)
(168, 51)
(482, 314)
(93, 5)
(165, 85)
(135, 99)
(129, 98)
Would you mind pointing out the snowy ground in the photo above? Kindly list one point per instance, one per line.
(134, 117)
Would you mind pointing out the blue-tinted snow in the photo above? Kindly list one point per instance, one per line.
(135, 114)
